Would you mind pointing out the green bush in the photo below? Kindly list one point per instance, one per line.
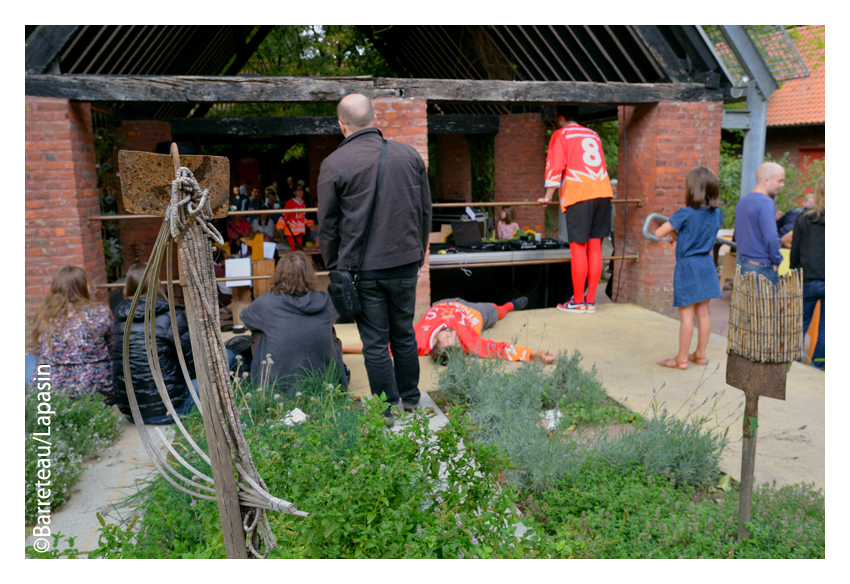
(369, 492)
(81, 427)
(602, 512)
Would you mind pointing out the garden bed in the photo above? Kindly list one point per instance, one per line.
(652, 489)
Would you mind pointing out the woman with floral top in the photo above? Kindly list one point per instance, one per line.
(72, 339)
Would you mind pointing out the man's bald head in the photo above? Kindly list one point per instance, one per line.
(770, 178)
(769, 170)
(355, 111)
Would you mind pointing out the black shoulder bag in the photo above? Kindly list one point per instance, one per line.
(343, 286)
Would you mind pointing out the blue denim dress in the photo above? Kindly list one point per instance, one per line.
(695, 278)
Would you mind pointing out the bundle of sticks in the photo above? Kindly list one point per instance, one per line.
(766, 321)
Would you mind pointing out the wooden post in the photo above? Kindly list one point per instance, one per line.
(221, 460)
(262, 268)
(241, 300)
(748, 462)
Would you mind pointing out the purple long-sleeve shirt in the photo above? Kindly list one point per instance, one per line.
(755, 229)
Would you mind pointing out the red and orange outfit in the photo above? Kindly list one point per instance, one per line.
(294, 225)
(576, 165)
(467, 323)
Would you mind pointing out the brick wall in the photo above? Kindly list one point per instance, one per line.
(520, 164)
(403, 120)
(782, 140)
(139, 234)
(60, 192)
(319, 148)
(454, 168)
(664, 142)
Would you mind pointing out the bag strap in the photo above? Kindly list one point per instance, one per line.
(372, 213)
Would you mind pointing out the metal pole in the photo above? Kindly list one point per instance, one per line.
(755, 137)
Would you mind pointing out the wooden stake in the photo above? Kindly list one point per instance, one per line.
(221, 460)
(748, 462)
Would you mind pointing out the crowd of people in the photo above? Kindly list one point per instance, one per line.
(374, 206)
(295, 229)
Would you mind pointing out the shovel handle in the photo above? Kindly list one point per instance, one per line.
(175, 156)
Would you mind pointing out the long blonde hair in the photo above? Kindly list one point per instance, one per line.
(68, 290)
(818, 209)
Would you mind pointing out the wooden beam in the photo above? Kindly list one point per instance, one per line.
(662, 52)
(185, 89)
(462, 124)
(283, 126)
(317, 126)
(44, 45)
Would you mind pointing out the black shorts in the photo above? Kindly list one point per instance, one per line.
(590, 219)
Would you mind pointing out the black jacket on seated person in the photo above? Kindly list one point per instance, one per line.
(150, 404)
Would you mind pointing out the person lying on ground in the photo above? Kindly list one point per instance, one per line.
(455, 322)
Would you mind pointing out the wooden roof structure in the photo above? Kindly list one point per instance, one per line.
(174, 72)
(577, 53)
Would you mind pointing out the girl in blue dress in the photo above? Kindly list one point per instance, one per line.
(695, 281)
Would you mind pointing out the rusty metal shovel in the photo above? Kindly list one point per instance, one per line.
(146, 180)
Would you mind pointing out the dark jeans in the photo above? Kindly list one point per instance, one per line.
(812, 292)
(386, 321)
(763, 269)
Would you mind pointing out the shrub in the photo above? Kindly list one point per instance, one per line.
(369, 492)
(81, 427)
(602, 512)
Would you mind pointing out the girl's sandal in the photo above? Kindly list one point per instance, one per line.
(698, 361)
(673, 363)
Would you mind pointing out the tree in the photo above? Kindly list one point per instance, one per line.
(301, 51)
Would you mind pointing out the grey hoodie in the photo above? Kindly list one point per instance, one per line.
(296, 331)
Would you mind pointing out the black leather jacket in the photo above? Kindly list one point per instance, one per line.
(147, 395)
(346, 189)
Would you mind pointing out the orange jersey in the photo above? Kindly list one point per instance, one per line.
(296, 222)
(467, 323)
(575, 164)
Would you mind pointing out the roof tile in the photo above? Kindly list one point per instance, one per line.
(803, 101)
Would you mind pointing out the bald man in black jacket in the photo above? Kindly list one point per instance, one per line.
(395, 248)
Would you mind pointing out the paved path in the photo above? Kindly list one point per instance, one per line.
(103, 484)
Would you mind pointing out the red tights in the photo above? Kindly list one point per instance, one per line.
(504, 309)
(586, 267)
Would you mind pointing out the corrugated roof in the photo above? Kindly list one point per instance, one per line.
(803, 101)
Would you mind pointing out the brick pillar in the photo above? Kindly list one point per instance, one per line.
(664, 142)
(404, 120)
(319, 148)
(60, 192)
(454, 168)
(141, 136)
(520, 164)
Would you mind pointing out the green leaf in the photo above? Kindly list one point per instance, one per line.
(725, 483)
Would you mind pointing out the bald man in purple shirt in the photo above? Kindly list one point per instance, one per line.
(755, 224)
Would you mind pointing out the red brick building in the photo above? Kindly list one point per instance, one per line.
(674, 126)
(796, 112)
